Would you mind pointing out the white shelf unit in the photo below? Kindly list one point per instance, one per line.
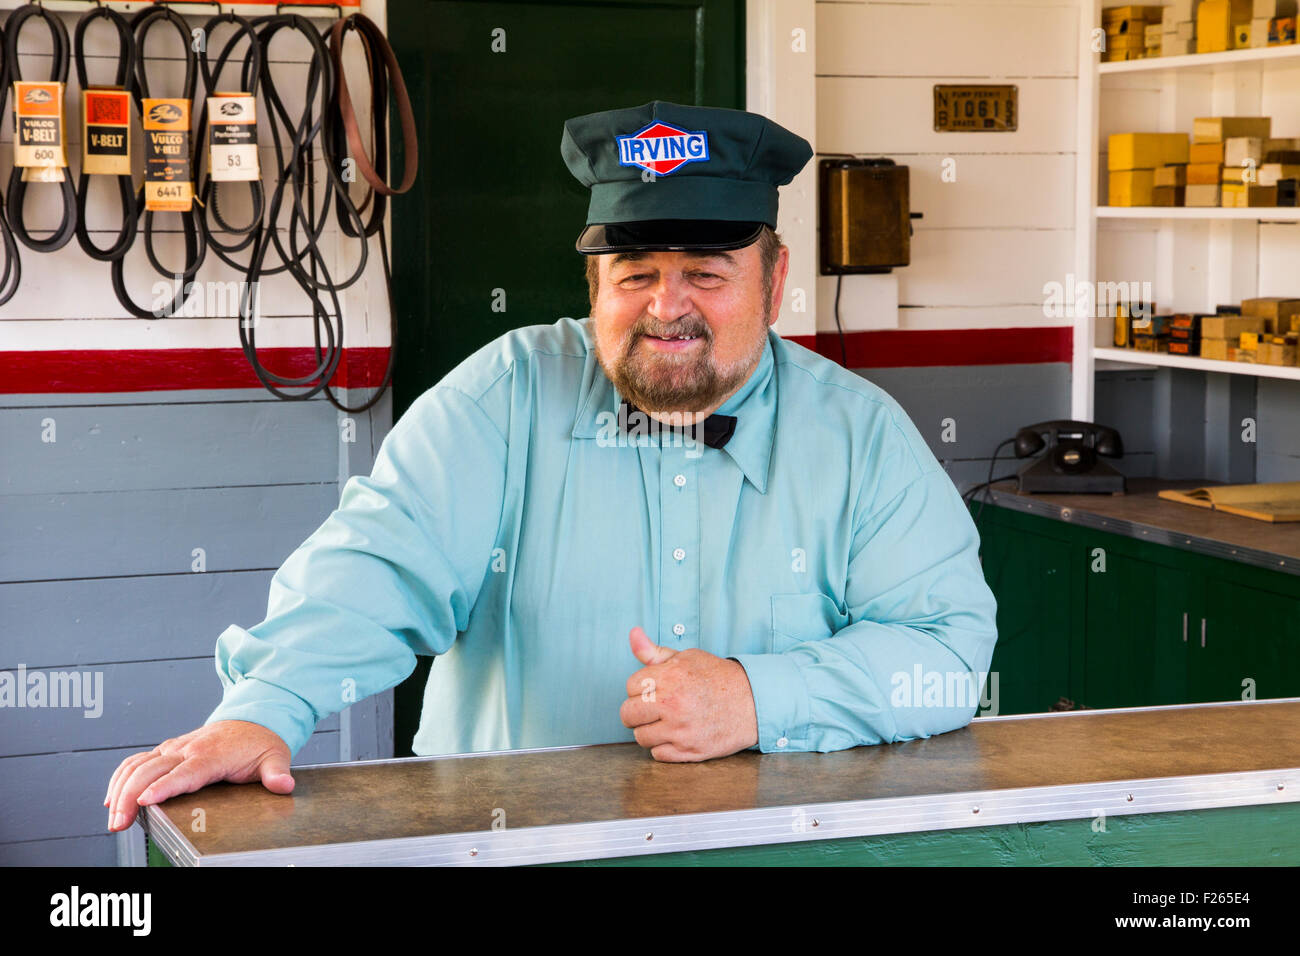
(1194, 258)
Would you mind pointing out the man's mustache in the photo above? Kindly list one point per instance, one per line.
(701, 331)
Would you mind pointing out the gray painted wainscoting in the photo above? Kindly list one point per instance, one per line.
(97, 578)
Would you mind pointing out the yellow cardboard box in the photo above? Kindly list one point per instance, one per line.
(1145, 150)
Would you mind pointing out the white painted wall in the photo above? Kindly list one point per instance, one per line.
(989, 240)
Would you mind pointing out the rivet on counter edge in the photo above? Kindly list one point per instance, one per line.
(473, 851)
(649, 836)
(975, 810)
(818, 823)
(1129, 798)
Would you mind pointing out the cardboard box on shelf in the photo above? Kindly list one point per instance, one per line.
(1125, 41)
(1182, 10)
(1185, 31)
(1172, 46)
(1145, 150)
(1281, 31)
(1131, 187)
(1279, 311)
(1240, 174)
(1202, 194)
(1241, 36)
(1217, 129)
(1288, 192)
(1229, 326)
(1215, 22)
(1169, 196)
(1239, 150)
(1259, 32)
(1243, 196)
(1171, 175)
(1202, 174)
(1270, 174)
(1216, 349)
(1205, 153)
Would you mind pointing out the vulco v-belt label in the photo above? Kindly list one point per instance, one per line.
(232, 137)
(106, 132)
(168, 185)
(39, 143)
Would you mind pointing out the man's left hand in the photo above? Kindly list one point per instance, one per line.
(689, 705)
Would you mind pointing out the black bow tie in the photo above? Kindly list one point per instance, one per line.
(718, 429)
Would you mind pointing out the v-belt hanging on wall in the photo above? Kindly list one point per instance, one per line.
(227, 152)
(168, 184)
(106, 133)
(40, 139)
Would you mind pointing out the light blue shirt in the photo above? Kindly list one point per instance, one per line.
(510, 528)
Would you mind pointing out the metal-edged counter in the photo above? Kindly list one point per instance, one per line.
(1207, 783)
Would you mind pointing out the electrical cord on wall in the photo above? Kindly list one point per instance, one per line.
(844, 354)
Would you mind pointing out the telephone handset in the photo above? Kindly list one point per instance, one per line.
(1071, 463)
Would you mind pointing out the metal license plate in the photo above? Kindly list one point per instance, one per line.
(976, 109)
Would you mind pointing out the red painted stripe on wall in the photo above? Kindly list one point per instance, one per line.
(901, 348)
(148, 370)
(144, 370)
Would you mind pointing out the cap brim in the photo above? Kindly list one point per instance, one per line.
(667, 235)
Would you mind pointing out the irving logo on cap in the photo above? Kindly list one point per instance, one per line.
(715, 183)
(661, 148)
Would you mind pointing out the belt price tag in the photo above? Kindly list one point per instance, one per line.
(168, 183)
(106, 132)
(39, 143)
(232, 137)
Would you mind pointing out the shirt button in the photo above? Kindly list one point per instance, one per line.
(679, 629)
(679, 481)
(781, 742)
(679, 553)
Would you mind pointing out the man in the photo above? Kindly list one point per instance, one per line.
(768, 530)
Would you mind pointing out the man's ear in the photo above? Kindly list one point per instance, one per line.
(779, 271)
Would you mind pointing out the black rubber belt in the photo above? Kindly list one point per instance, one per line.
(293, 141)
(13, 263)
(344, 130)
(122, 77)
(58, 74)
(249, 79)
(195, 241)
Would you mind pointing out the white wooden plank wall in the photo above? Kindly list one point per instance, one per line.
(990, 240)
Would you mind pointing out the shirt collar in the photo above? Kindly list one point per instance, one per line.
(754, 404)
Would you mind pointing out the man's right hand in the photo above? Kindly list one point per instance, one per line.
(233, 750)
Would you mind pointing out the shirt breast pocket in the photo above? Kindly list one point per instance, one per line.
(797, 618)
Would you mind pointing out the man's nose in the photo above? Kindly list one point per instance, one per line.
(670, 299)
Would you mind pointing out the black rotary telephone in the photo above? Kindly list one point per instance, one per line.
(1071, 464)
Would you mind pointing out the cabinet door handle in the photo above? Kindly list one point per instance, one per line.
(1202, 632)
(1184, 627)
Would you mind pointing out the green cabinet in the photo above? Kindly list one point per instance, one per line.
(1248, 644)
(1105, 620)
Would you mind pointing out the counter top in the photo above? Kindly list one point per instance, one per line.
(1141, 514)
(613, 800)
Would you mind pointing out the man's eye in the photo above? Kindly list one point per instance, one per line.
(705, 275)
(634, 278)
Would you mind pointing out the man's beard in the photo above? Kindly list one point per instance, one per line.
(669, 382)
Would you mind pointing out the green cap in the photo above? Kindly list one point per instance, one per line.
(668, 177)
